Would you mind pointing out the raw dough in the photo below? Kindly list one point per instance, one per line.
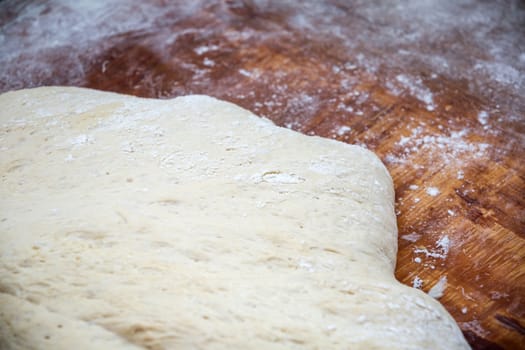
(190, 223)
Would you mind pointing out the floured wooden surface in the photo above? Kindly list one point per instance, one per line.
(191, 223)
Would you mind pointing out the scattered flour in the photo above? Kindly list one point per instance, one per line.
(207, 62)
(411, 237)
(447, 150)
(200, 50)
(444, 244)
(432, 191)
(438, 289)
(483, 117)
(440, 251)
(498, 295)
(343, 130)
(417, 282)
(245, 73)
(417, 89)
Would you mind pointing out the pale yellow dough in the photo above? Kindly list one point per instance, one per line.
(190, 223)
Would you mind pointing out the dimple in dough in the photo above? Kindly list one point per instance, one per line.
(190, 223)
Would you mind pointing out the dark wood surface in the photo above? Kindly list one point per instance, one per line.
(436, 91)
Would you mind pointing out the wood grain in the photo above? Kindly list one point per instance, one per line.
(459, 179)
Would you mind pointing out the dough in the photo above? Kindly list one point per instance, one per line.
(129, 223)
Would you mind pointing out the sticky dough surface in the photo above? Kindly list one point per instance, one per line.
(190, 223)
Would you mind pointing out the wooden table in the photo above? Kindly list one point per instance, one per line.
(435, 89)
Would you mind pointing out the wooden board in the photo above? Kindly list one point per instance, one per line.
(452, 138)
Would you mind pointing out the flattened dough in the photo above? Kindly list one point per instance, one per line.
(190, 223)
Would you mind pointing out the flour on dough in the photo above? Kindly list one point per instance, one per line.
(129, 223)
